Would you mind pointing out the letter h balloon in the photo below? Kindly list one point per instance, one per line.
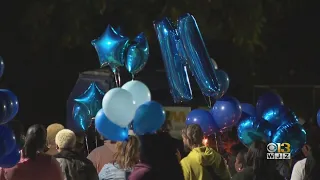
(183, 47)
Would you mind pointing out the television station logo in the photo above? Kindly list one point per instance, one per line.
(278, 151)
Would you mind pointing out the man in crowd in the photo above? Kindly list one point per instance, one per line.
(52, 131)
(73, 165)
(203, 162)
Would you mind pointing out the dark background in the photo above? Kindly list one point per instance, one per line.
(46, 44)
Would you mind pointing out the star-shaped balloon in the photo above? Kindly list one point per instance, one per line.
(111, 47)
(87, 105)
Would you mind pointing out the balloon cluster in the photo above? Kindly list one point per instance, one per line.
(115, 50)
(9, 149)
(130, 104)
(225, 113)
(271, 121)
(184, 47)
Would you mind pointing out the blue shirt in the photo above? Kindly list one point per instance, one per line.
(112, 171)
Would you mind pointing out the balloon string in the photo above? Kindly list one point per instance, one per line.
(207, 101)
(119, 78)
(116, 79)
(215, 138)
(87, 146)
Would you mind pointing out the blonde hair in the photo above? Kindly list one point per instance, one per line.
(66, 139)
(193, 133)
(52, 131)
(127, 153)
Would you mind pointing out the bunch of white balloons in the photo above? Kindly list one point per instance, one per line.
(120, 104)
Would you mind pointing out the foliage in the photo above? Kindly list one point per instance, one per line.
(71, 23)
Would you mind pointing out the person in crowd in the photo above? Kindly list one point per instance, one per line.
(235, 150)
(125, 158)
(34, 163)
(104, 154)
(74, 166)
(284, 168)
(202, 163)
(309, 167)
(52, 131)
(240, 162)
(258, 166)
(80, 144)
(158, 159)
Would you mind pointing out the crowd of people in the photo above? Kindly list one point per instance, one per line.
(57, 153)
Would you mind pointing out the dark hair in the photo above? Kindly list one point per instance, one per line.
(241, 156)
(256, 158)
(35, 141)
(312, 167)
(159, 152)
(237, 148)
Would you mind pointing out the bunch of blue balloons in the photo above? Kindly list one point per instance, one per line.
(9, 106)
(182, 47)
(115, 50)
(129, 105)
(271, 121)
(225, 113)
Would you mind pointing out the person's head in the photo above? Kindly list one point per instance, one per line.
(52, 131)
(312, 151)
(159, 151)
(256, 158)
(35, 141)
(192, 136)
(79, 147)
(65, 140)
(240, 163)
(127, 153)
(313, 136)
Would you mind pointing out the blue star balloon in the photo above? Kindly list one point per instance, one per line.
(138, 54)
(87, 105)
(111, 47)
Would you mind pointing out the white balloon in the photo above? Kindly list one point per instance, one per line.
(118, 106)
(140, 92)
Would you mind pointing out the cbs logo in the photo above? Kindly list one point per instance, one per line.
(278, 148)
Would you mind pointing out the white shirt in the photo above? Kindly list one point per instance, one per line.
(298, 171)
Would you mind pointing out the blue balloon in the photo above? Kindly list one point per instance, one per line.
(11, 159)
(138, 54)
(226, 112)
(149, 118)
(9, 106)
(176, 69)
(87, 105)
(292, 133)
(247, 110)
(223, 79)
(111, 48)
(250, 130)
(279, 115)
(7, 141)
(198, 59)
(1, 66)
(318, 117)
(108, 129)
(204, 119)
(267, 101)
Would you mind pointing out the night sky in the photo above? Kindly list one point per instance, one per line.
(46, 44)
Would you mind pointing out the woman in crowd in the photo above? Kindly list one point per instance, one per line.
(158, 160)
(34, 164)
(240, 162)
(125, 158)
(259, 168)
(309, 167)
